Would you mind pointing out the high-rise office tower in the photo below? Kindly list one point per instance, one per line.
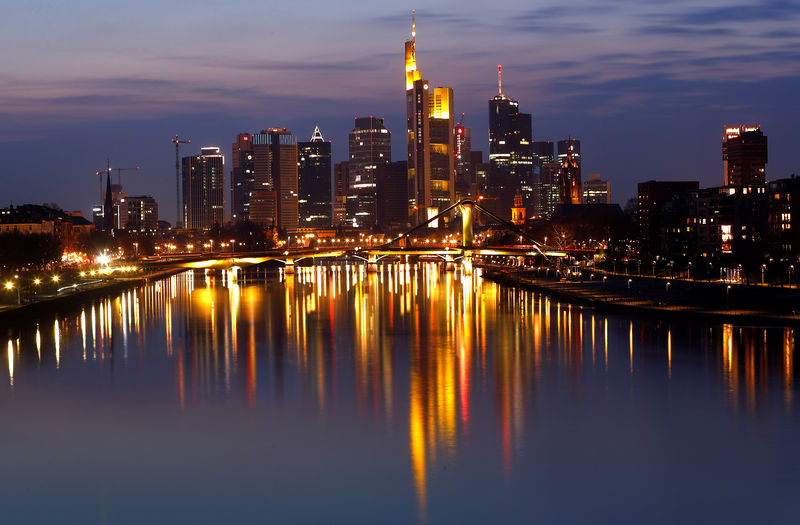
(203, 189)
(596, 190)
(571, 147)
(370, 145)
(510, 151)
(391, 181)
(242, 176)
(430, 141)
(341, 187)
(551, 187)
(465, 176)
(314, 171)
(543, 189)
(569, 178)
(274, 194)
(744, 150)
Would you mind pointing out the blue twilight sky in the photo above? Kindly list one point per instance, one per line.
(645, 85)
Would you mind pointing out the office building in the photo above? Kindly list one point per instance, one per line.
(314, 172)
(275, 192)
(203, 189)
(391, 180)
(141, 213)
(596, 190)
(510, 151)
(569, 147)
(242, 176)
(542, 205)
(465, 178)
(430, 141)
(744, 152)
(341, 177)
(370, 144)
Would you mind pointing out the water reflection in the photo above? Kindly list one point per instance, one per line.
(409, 339)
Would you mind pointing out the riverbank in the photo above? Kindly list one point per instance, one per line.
(652, 297)
(47, 305)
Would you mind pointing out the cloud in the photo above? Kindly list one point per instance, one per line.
(763, 11)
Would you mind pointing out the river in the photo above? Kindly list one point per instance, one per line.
(413, 395)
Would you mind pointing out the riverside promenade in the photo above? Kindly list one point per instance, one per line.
(715, 301)
(48, 304)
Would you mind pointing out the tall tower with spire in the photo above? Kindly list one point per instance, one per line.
(510, 152)
(315, 181)
(430, 140)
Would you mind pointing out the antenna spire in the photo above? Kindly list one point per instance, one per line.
(499, 79)
(413, 24)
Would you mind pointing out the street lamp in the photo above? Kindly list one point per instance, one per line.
(763, 269)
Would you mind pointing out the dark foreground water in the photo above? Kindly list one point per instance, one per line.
(413, 395)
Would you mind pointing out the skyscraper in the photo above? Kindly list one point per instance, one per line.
(370, 145)
(341, 186)
(391, 181)
(242, 176)
(744, 151)
(141, 213)
(465, 175)
(274, 193)
(429, 126)
(203, 189)
(314, 172)
(543, 203)
(571, 147)
(510, 151)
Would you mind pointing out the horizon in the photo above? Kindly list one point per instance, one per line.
(669, 78)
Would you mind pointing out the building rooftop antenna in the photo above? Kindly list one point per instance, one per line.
(413, 24)
(499, 79)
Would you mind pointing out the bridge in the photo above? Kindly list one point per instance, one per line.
(397, 246)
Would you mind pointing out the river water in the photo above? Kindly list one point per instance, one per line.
(412, 395)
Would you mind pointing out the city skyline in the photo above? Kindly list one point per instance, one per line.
(681, 70)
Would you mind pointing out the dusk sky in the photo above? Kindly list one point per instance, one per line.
(647, 86)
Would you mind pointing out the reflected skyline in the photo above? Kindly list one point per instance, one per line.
(472, 362)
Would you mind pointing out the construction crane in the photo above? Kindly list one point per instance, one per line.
(120, 170)
(178, 141)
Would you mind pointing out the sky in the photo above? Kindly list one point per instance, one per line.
(647, 86)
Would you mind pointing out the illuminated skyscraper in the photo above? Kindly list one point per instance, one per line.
(465, 175)
(596, 190)
(203, 189)
(370, 145)
(274, 195)
(744, 150)
(242, 176)
(341, 187)
(314, 171)
(510, 151)
(571, 147)
(431, 145)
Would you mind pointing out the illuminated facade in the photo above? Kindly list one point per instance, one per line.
(596, 190)
(341, 177)
(141, 213)
(274, 195)
(569, 181)
(430, 140)
(314, 172)
(744, 152)
(545, 193)
(203, 189)
(510, 152)
(370, 144)
(465, 175)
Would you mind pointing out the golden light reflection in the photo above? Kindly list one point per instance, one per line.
(57, 341)
(788, 365)
(11, 363)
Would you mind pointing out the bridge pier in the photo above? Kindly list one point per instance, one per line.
(449, 263)
(372, 263)
(466, 263)
(467, 209)
(288, 267)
